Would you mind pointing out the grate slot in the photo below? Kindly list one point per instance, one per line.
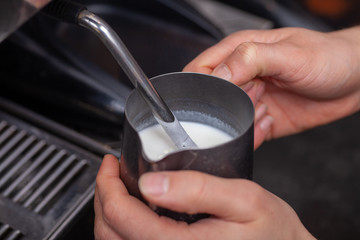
(50, 180)
(23, 160)
(64, 181)
(17, 152)
(7, 233)
(39, 175)
(15, 140)
(3, 124)
(15, 235)
(48, 151)
(4, 229)
(7, 133)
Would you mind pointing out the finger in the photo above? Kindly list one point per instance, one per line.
(261, 110)
(209, 59)
(97, 205)
(109, 168)
(213, 56)
(262, 130)
(125, 213)
(101, 230)
(195, 192)
(255, 90)
(250, 60)
(262, 124)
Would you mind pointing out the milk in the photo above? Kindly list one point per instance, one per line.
(156, 143)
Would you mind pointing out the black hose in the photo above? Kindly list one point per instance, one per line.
(64, 10)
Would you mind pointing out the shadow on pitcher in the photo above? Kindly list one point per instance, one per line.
(197, 98)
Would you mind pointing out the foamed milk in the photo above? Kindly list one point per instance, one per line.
(156, 143)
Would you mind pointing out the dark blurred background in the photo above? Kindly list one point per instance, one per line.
(65, 74)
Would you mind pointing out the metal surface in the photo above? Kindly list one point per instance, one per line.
(231, 112)
(138, 78)
(229, 19)
(13, 13)
(45, 181)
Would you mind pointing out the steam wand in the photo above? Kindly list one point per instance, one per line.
(77, 14)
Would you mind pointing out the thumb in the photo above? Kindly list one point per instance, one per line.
(250, 60)
(195, 192)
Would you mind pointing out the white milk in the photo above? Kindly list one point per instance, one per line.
(156, 143)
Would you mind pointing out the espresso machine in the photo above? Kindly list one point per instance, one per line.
(62, 96)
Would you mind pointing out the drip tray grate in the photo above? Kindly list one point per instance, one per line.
(8, 233)
(45, 181)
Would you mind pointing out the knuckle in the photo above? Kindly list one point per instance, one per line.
(246, 51)
(109, 211)
(256, 198)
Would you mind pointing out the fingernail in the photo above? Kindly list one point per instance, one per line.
(247, 86)
(260, 111)
(154, 184)
(222, 71)
(260, 89)
(266, 122)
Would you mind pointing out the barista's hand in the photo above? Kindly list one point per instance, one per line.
(311, 78)
(240, 209)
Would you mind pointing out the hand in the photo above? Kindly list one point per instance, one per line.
(311, 78)
(240, 209)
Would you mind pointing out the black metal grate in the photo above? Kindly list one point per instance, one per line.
(8, 233)
(33, 172)
(47, 175)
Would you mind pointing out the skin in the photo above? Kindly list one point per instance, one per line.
(251, 212)
(298, 79)
(310, 78)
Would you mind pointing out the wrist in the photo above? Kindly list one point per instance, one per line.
(349, 39)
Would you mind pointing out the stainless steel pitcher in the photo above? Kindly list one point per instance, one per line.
(198, 98)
